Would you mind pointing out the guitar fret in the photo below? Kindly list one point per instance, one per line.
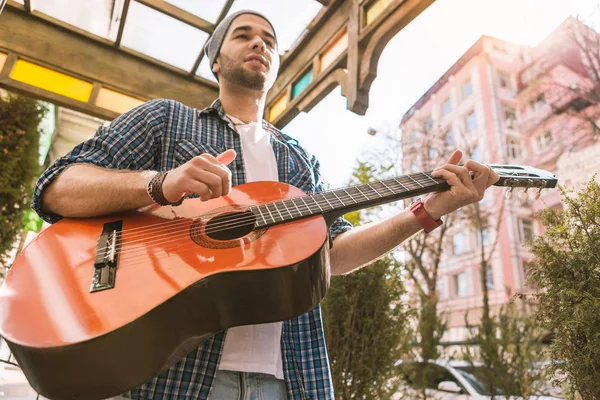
(387, 187)
(351, 198)
(309, 210)
(401, 184)
(325, 197)
(277, 209)
(360, 191)
(376, 192)
(317, 203)
(340, 200)
(433, 180)
(261, 214)
(284, 206)
(415, 181)
(269, 211)
(294, 203)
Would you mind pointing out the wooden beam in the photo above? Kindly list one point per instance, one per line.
(359, 60)
(27, 5)
(325, 3)
(179, 14)
(224, 11)
(49, 45)
(331, 22)
(29, 91)
(122, 23)
(377, 35)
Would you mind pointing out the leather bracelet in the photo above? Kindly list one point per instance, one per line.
(154, 189)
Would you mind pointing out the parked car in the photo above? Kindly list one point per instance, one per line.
(455, 380)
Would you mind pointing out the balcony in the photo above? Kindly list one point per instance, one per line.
(535, 116)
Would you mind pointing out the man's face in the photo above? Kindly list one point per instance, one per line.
(248, 56)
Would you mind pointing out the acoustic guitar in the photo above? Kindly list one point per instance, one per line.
(94, 307)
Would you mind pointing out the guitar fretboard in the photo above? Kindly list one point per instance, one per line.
(345, 199)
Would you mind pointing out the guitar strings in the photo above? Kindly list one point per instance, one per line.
(268, 202)
(244, 219)
(156, 239)
(318, 202)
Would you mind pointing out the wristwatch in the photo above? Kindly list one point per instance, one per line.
(423, 218)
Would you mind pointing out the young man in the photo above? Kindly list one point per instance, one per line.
(205, 153)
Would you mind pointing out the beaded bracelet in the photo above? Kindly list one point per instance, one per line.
(154, 189)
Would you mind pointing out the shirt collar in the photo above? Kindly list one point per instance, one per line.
(217, 107)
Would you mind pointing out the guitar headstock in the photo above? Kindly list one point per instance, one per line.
(522, 176)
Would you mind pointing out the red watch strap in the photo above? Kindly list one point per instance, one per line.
(423, 218)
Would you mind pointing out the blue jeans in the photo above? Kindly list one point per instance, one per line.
(231, 385)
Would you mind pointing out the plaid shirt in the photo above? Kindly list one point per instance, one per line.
(161, 135)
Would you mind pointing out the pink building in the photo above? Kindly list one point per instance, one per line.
(501, 101)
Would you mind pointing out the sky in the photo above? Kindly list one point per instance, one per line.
(413, 61)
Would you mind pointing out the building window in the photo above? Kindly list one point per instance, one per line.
(543, 140)
(504, 80)
(538, 102)
(471, 122)
(486, 237)
(467, 89)
(475, 154)
(514, 148)
(510, 116)
(459, 243)
(527, 273)
(447, 106)
(460, 284)
(526, 233)
(440, 288)
(431, 153)
(412, 138)
(414, 166)
(428, 124)
(449, 138)
(489, 278)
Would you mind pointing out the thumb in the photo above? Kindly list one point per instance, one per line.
(227, 156)
(455, 157)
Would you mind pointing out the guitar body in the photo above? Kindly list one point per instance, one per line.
(175, 286)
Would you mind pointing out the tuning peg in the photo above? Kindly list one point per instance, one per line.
(537, 194)
(523, 195)
(509, 193)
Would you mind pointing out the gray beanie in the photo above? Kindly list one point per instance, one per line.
(214, 43)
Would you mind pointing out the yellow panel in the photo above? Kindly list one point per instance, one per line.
(278, 107)
(52, 81)
(116, 102)
(333, 51)
(373, 10)
(3, 58)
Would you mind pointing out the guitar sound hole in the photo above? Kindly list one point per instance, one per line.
(229, 226)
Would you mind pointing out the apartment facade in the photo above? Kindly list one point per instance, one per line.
(502, 103)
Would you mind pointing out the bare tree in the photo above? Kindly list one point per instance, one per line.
(411, 152)
(507, 344)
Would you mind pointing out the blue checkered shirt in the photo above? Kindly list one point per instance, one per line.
(161, 135)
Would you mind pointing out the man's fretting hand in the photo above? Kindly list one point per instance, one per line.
(468, 184)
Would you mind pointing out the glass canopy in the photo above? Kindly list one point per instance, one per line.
(173, 31)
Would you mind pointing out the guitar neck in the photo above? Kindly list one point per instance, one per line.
(336, 202)
(344, 200)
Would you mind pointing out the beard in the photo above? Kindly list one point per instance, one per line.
(235, 73)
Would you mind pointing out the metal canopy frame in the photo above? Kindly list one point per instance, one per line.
(46, 41)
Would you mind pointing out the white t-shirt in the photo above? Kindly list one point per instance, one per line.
(255, 348)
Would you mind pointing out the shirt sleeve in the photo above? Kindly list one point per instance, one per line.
(341, 224)
(128, 142)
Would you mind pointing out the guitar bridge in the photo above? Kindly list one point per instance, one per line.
(107, 252)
